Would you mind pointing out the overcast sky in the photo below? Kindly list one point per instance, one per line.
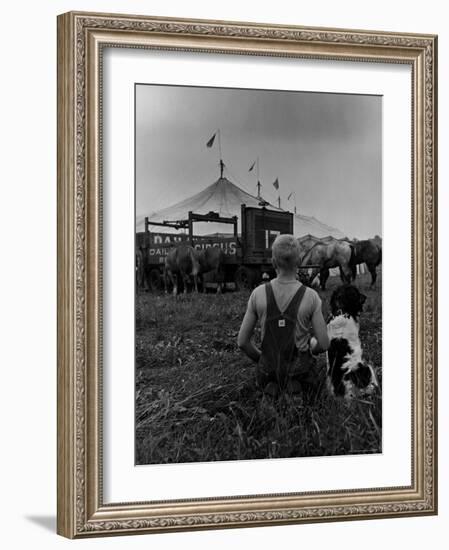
(325, 147)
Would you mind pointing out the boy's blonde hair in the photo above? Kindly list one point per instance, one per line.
(285, 252)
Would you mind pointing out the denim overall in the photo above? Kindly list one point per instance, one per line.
(280, 360)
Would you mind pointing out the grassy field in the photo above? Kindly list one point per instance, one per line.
(196, 399)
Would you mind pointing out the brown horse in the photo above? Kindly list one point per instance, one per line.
(182, 261)
(328, 254)
(211, 260)
(368, 252)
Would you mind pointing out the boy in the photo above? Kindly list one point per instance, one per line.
(286, 310)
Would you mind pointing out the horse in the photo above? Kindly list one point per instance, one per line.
(328, 254)
(181, 260)
(368, 252)
(305, 244)
(211, 260)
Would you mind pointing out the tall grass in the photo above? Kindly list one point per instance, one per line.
(196, 398)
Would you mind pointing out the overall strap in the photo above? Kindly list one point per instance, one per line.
(272, 307)
(293, 307)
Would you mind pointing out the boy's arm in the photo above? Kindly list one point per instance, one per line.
(321, 341)
(244, 338)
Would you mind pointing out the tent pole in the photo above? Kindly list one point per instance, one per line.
(221, 156)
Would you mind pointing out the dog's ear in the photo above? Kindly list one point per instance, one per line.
(339, 300)
(335, 302)
(351, 300)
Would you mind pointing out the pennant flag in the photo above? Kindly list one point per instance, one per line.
(252, 166)
(288, 198)
(211, 141)
(276, 184)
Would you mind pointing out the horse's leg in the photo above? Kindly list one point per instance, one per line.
(349, 274)
(145, 280)
(219, 279)
(372, 269)
(312, 276)
(203, 286)
(174, 281)
(346, 271)
(324, 276)
(138, 277)
(185, 279)
(195, 281)
(167, 279)
(165, 276)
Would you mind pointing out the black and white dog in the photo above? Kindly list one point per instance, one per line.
(348, 375)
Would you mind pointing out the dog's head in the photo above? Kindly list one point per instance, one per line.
(348, 300)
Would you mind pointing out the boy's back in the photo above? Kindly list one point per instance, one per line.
(286, 354)
(283, 292)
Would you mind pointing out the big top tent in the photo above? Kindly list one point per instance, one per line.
(226, 198)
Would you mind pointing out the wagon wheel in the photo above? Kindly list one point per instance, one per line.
(244, 278)
(155, 278)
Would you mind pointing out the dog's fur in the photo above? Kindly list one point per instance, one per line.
(348, 374)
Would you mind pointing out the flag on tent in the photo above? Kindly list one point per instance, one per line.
(276, 184)
(252, 166)
(211, 141)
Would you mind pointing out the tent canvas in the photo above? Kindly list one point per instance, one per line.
(226, 198)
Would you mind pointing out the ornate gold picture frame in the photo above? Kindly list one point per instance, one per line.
(82, 40)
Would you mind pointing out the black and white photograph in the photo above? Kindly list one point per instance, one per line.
(258, 274)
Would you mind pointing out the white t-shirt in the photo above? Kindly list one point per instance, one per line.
(283, 293)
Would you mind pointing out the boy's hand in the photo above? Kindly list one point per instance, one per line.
(251, 351)
(313, 343)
